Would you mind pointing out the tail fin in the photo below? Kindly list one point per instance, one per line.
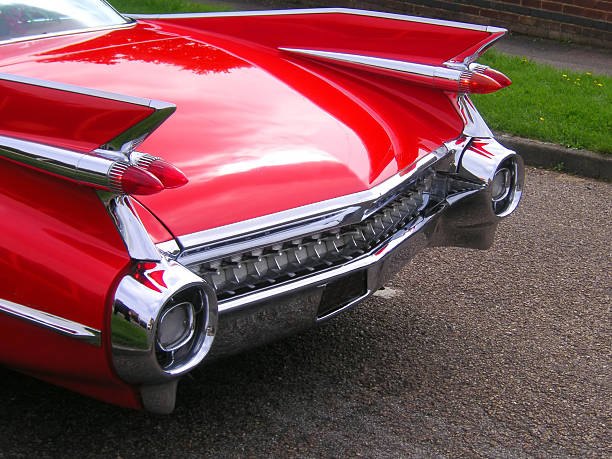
(422, 51)
(340, 30)
(83, 135)
(76, 118)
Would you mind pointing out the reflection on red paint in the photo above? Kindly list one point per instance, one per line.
(380, 251)
(147, 266)
(151, 279)
(144, 280)
(158, 276)
(478, 146)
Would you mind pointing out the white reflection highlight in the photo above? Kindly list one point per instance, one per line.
(268, 157)
(89, 13)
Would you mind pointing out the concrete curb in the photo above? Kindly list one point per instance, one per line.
(552, 156)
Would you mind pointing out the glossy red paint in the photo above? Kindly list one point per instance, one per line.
(476, 49)
(155, 228)
(64, 264)
(370, 35)
(281, 133)
(61, 118)
(263, 120)
(63, 361)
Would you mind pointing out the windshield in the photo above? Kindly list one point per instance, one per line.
(24, 18)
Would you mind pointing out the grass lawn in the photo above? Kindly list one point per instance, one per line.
(163, 6)
(128, 334)
(544, 103)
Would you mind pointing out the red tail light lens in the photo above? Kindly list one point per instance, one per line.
(477, 83)
(168, 174)
(502, 79)
(485, 70)
(138, 181)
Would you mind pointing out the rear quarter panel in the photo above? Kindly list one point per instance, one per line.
(59, 253)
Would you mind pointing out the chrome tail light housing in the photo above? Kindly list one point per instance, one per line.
(500, 169)
(163, 323)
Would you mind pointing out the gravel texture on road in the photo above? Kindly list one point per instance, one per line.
(499, 353)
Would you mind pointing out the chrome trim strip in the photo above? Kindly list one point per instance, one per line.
(357, 12)
(81, 167)
(136, 238)
(129, 139)
(446, 74)
(132, 23)
(469, 59)
(155, 104)
(52, 322)
(473, 123)
(170, 248)
(282, 231)
(320, 215)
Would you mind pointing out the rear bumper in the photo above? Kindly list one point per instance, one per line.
(467, 221)
(276, 275)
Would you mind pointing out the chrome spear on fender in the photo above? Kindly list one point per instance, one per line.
(468, 79)
(112, 175)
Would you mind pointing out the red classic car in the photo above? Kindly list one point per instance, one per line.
(307, 156)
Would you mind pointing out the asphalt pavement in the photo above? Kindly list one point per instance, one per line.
(564, 55)
(499, 353)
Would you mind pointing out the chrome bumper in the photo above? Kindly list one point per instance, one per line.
(467, 220)
(470, 184)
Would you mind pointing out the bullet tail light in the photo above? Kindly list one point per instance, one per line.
(477, 83)
(115, 175)
(125, 178)
(495, 75)
(168, 174)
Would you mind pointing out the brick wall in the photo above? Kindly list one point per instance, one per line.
(581, 21)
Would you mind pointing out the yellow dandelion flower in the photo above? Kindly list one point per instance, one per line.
(588, 73)
(541, 119)
(564, 75)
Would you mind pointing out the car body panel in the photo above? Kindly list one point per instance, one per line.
(60, 252)
(303, 176)
(333, 134)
